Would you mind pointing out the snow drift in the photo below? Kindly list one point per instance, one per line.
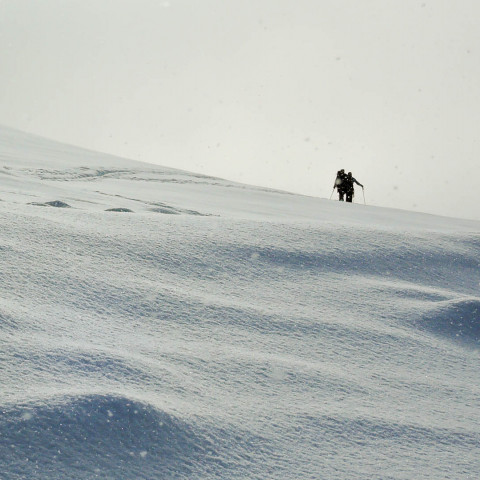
(156, 323)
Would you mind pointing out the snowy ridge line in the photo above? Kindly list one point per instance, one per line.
(20, 149)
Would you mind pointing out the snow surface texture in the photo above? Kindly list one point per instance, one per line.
(156, 324)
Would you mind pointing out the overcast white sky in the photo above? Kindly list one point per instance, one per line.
(280, 93)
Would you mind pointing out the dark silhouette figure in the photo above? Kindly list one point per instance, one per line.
(348, 187)
(340, 184)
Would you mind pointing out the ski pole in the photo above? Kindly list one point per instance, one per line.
(363, 191)
(332, 193)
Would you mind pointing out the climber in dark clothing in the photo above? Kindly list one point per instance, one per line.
(348, 186)
(340, 184)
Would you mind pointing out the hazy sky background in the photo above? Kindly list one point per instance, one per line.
(280, 93)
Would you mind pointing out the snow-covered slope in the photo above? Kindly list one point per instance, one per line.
(157, 324)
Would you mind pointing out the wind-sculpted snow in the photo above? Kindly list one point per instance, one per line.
(226, 332)
(86, 436)
(458, 320)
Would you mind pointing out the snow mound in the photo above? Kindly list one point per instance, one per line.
(457, 320)
(119, 209)
(127, 438)
(53, 203)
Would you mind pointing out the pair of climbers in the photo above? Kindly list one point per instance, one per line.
(344, 185)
